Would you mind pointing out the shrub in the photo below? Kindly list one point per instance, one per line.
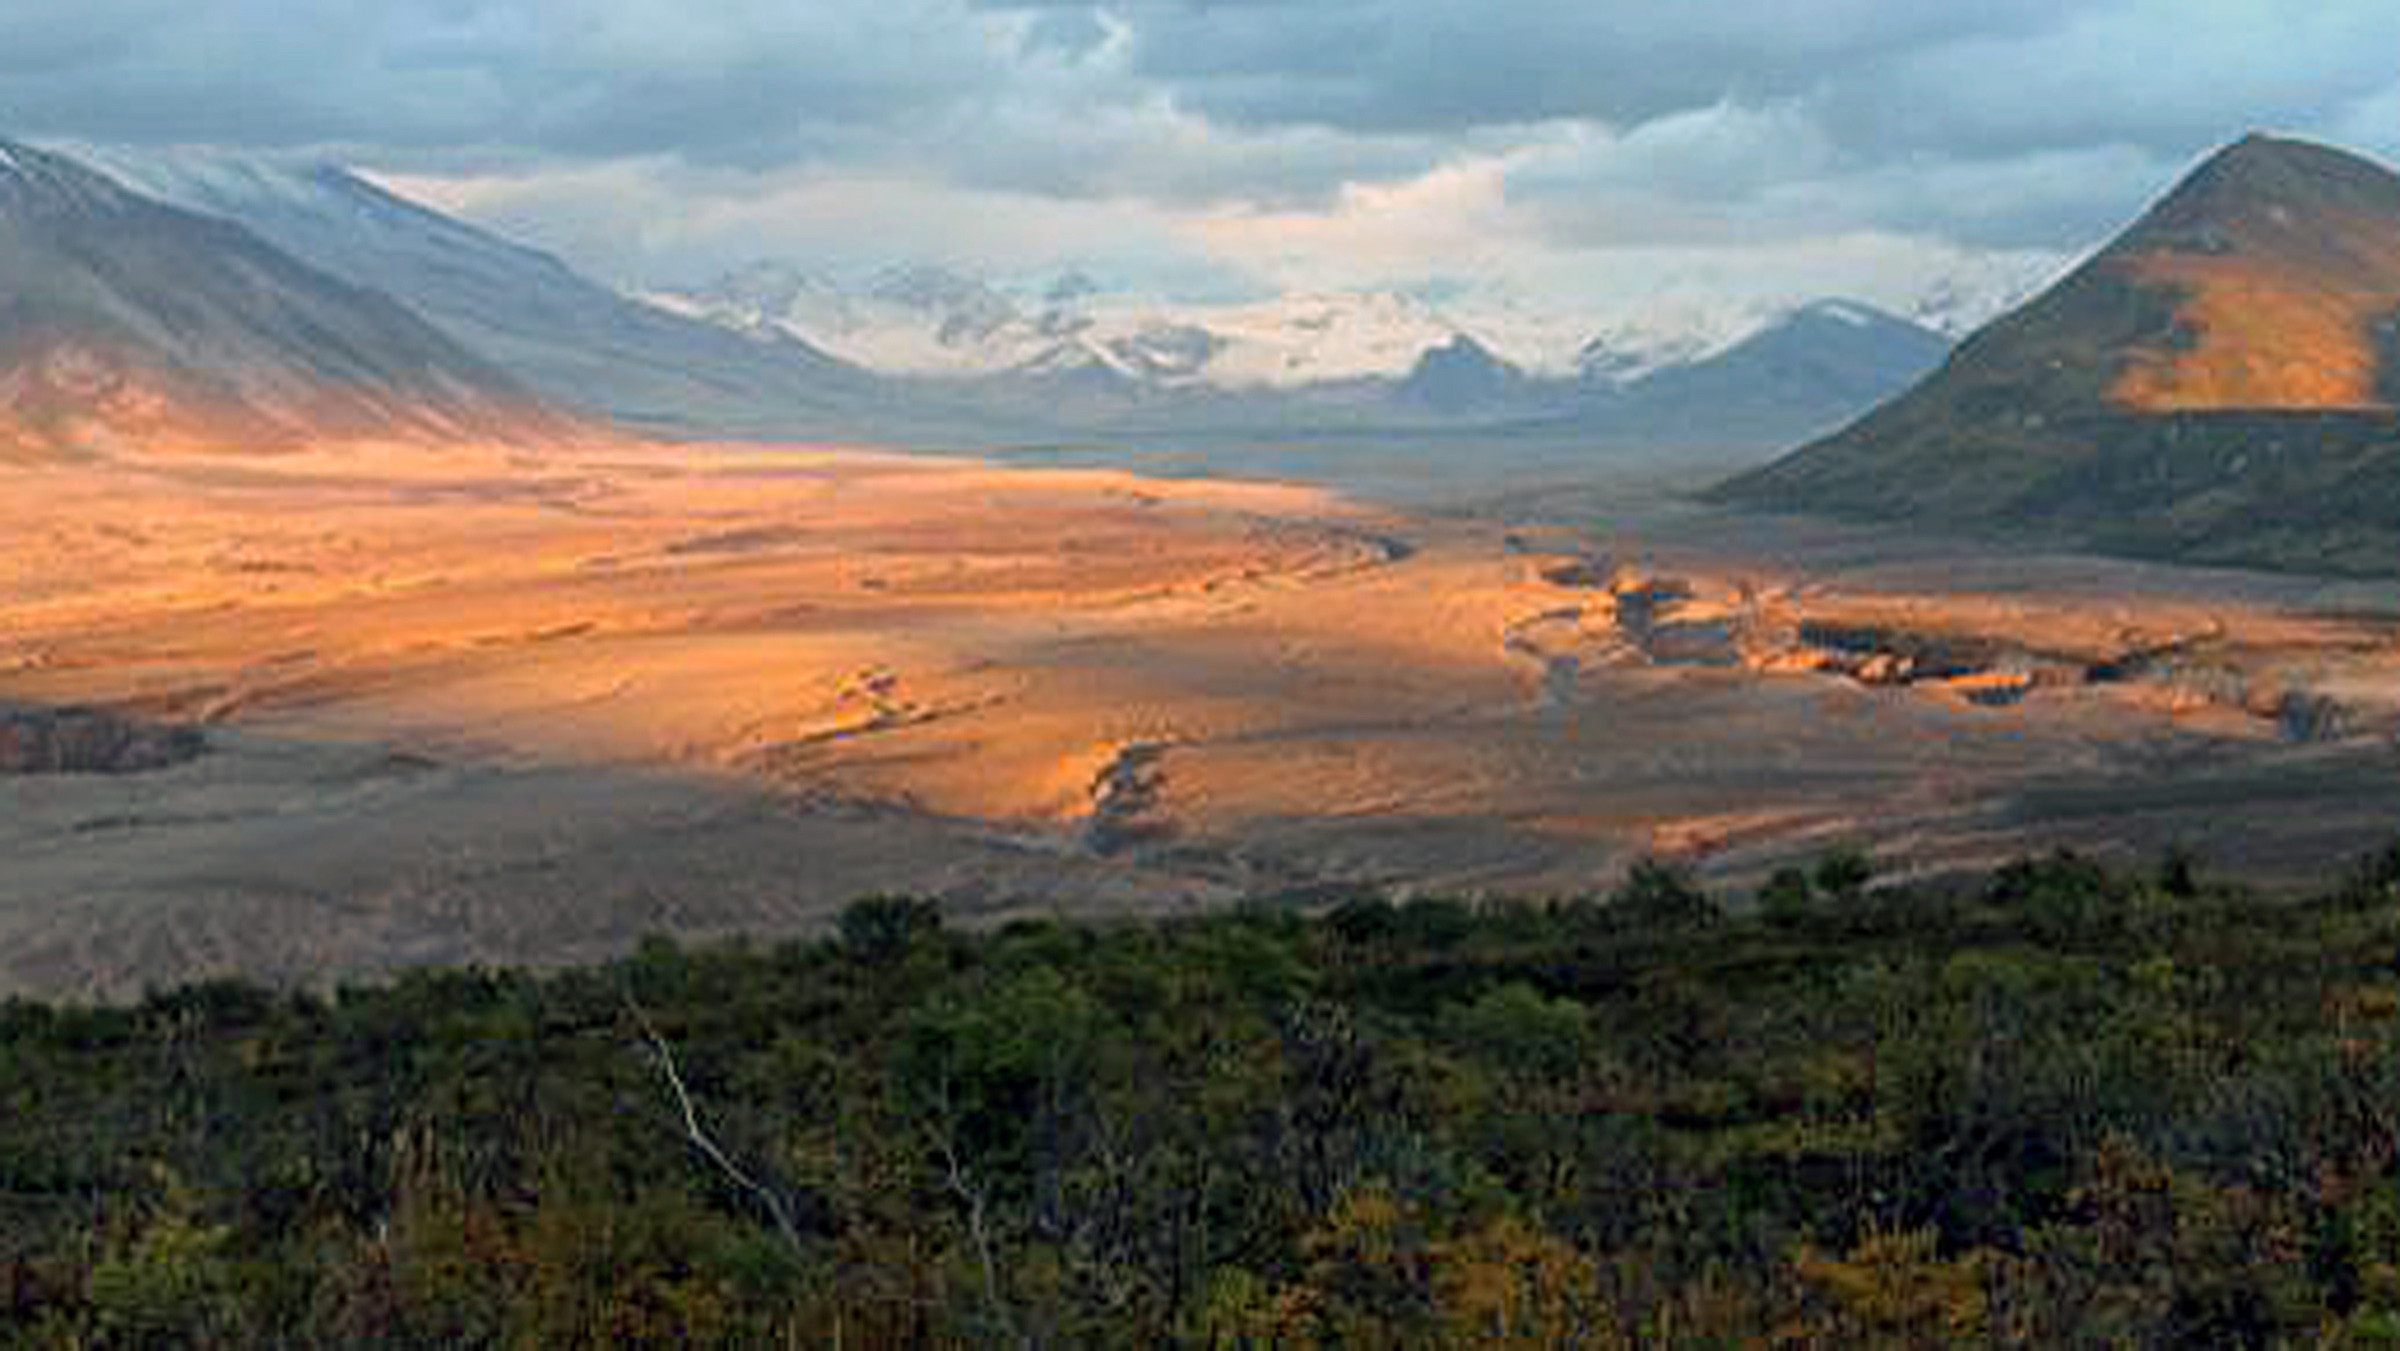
(1657, 895)
(881, 928)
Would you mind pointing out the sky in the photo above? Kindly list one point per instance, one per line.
(1562, 158)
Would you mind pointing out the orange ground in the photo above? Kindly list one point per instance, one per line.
(488, 706)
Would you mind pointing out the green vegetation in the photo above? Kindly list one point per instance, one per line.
(2066, 1105)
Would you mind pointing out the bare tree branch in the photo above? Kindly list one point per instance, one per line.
(961, 1184)
(699, 1136)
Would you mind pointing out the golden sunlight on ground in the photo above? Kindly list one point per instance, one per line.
(484, 706)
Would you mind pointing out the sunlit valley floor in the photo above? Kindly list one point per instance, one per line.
(509, 707)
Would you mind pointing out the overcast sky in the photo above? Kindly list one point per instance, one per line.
(1555, 155)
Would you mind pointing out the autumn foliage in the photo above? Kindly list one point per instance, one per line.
(2063, 1105)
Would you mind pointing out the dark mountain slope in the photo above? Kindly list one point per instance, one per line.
(1805, 373)
(126, 322)
(576, 341)
(2247, 320)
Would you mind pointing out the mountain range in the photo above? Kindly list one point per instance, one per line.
(922, 319)
(926, 355)
(497, 336)
(2217, 384)
(1331, 364)
(932, 321)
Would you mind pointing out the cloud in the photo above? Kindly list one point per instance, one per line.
(765, 83)
(1377, 141)
(1451, 220)
(659, 221)
(1423, 64)
(730, 81)
(2170, 78)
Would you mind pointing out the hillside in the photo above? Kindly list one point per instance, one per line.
(127, 323)
(2216, 384)
(575, 341)
(1808, 371)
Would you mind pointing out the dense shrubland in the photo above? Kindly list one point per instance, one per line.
(2065, 1104)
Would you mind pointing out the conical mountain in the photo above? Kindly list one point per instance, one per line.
(2217, 383)
(1459, 376)
(129, 324)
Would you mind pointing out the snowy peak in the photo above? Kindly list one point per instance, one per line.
(1851, 349)
(1167, 351)
(765, 288)
(769, 301)
(926, 320)
(940, 292)
(1319, 338)
(1833, 331)
(1665, 334)
(1848, 321)
(923, 319)
(1847, 313)
(914, 319)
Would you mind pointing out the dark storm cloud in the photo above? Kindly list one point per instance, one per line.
(1429, 64)
(1075, 31)
(1886, 75)
(730, 81)
(2024, 121)
(2037, 122)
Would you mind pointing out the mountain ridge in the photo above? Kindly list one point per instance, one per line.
(1063, 366)
(567, 337)
(2257, 297)
(126, 322)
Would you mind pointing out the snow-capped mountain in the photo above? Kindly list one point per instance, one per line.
(917, 319)
(927, 320)
(1306, 339)
(933, 356)
(1664, 334)
(1818, 366)
(1680, 369)
(1977, 292)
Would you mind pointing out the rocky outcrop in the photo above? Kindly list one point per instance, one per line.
(89, 741)
(1126, 807)
(1629, 616)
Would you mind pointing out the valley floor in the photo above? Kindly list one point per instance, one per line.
(483, 706)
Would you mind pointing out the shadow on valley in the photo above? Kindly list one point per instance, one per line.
(69, 740)
(2057, 1103)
